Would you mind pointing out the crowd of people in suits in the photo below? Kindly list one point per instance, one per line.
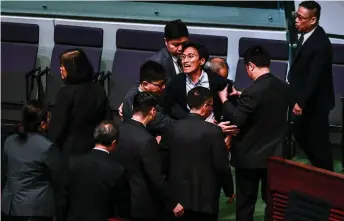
(183, 124)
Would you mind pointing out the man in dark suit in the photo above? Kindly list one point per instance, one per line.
(197, 164)
(193, 59)
(176, 34)
(311, 85)
(138, 152)
(152, 80)
(96, 184)
(261, 117)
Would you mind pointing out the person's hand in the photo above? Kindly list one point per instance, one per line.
(228, 129)
(223, 95)
(235, 92)
(178, 210)
(228, 141)
(120, 110)
(230, 200)
(158, 139)
(297, 110)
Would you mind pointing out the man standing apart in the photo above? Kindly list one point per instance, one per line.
(311, 85)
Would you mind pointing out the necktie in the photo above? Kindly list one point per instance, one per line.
(300, 41)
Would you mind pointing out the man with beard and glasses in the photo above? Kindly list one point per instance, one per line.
(152, 80)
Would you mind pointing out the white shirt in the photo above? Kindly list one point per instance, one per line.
(175, 64)
(97, 148)
(307, 35)
(203, 81)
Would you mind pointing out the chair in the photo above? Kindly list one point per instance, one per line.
(279, 54)
(18, 67)
(285, 177)
(336, 117)
(69, 37)
(131, 53)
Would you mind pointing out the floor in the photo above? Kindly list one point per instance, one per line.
(227, 211)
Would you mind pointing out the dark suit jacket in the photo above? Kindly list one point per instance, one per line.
(158, 125)
(261, 117)
(310, 74)
(175, 101)
(138, 152)
(96, 187)
(164, 57)
(33, 169)
(198, 164)
(78, 110)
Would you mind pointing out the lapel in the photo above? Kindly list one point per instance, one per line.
(168, 64)
(307, 44)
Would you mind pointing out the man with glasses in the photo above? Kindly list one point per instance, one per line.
(311, 83)
(193, 58)
(152, 80)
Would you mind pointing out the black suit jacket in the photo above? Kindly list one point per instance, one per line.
(158, 125)
(164, 57)
(138, 152)
(33, 171)
(261, 117)
(78, 110)
(197, 164)
(310, 74)
(175, 101)
(96, 187)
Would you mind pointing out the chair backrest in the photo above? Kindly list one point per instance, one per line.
(134, 47)
(279, 55)
(18, 57)
(69, 37)
(338, 83)
(308, 180)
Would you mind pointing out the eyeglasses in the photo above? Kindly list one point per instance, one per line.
(161, 85)
(184, 56)
(297, 15)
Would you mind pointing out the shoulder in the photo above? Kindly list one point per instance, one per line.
(177, 80)
(131, 93)
(159, 55)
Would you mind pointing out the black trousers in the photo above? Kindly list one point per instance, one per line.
(247, 187)
(311, 131)
(193, 216)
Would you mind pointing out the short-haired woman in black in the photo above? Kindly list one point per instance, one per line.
(79, 106)
(32, 167)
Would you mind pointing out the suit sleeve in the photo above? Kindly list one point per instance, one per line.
(221, 163)
(170, 106)
(55, 164)
(238, 115)
(127, 108)
(318, 65)
(58, 169)
(153, 169)
(160, 123)
(60, 118)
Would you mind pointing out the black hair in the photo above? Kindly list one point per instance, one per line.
(198, 96)
(79, 68)
(176, 29)
(33, 114)
(106, 133)
(258, 56)
(143, 103)
(201, 49)
(152, 71)
(313, 6)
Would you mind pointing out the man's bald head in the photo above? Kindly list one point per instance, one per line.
(219, 66)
